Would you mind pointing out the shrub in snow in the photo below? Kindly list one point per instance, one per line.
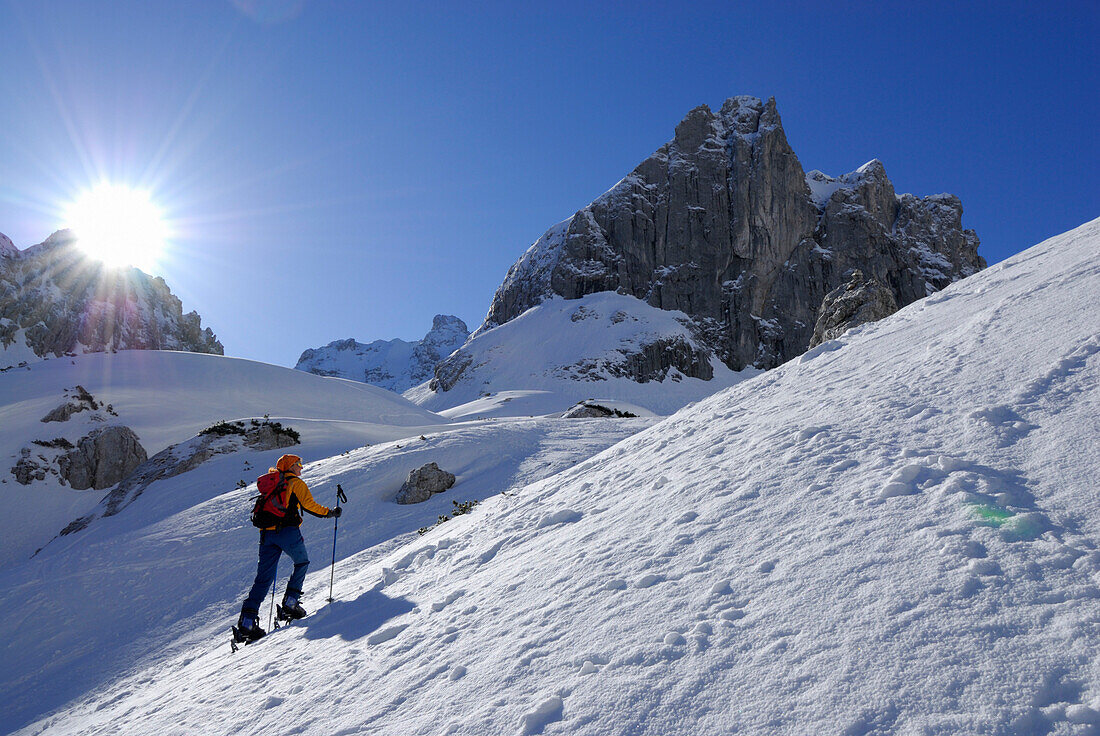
(460, 508)
(268, 433)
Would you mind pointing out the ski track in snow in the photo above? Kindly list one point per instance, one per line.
(895, 535)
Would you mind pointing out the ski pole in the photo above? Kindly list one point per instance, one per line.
(274, 582)
(332, 573)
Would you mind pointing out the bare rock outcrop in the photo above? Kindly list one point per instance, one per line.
(423, 482)
(102, 458)
(723, 224)
(77, 400)
(857, 302)
(593, 410)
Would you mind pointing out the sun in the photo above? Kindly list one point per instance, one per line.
(118, 225)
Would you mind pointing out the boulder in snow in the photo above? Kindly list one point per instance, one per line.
(423, 482)
(861, 300)
(102, 458)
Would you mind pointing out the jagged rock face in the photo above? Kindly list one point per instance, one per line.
(66, 302)
(857, 302)
(102, 458)
(396, 365)
(7, 248)
(721, 223)
(423, 482)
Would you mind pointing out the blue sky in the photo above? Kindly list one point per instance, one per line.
(350, 169)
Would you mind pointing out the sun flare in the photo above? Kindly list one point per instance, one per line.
(118, 225)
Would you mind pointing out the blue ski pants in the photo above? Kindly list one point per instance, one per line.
(272, 544)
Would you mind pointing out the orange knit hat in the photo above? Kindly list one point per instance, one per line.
(286, 462)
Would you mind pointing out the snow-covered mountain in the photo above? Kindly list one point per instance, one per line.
(893, 533)
(722, 224)
(55, 300)
(722, 229)
(396, 364)
(604, 346)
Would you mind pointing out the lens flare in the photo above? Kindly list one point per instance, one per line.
(118, 225)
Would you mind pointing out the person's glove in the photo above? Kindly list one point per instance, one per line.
(335, 513)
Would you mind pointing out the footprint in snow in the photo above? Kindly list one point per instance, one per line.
(386, 634)
(906, 481)
(440, 605)
(722, 587)
(984, 567)
(544, 714)
(1006, 425)
(564, 516)
(809, 432)
(648, 581)
(766, 566)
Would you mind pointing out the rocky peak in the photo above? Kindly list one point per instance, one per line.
(7, 248)
(57, 300)
(722, 223)
(696, 127)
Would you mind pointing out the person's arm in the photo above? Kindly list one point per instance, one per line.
(305, 499)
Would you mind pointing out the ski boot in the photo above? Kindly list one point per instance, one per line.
(290, 610)
(246, 631)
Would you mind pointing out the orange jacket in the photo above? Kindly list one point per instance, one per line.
(297, 495)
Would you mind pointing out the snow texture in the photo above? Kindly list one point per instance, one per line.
(894, 534)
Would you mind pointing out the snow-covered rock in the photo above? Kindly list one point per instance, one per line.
(563, 351)
(396, 364)
(55, 300)
(220, 439)
(102, 458)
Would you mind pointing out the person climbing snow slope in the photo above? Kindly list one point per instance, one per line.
(282, 494)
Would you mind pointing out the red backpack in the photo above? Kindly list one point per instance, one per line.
(270, 509)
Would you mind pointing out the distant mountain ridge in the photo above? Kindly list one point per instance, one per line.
(54, 300)
(396, 365)
(723, 224)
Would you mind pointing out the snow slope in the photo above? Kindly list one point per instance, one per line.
(178, 561)
(167, 397)
(894, 533)
(567, 350)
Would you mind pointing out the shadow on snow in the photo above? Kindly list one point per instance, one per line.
(366, 616)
